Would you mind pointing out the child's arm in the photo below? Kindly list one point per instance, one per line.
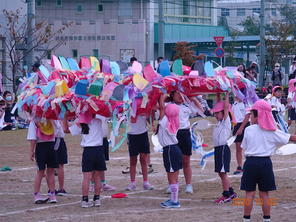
(65, 124)
(292, 138)
(244, 123)
(218, 97)
(226, 106)
(196, 103)
(162, 105)
(32, 149)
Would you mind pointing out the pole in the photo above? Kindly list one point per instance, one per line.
(160, 29)
(262, 43)
(30, 30)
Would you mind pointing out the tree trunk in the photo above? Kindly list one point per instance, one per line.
(14, 70)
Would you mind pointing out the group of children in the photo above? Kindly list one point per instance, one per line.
(173, 131)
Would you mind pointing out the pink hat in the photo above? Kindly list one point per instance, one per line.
(276, 87)
(292, 88)
(219, 106)
(172, 113)
(85, 117)
(265, 119)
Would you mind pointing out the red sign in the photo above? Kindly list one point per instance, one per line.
(219, 52)
(219, 40)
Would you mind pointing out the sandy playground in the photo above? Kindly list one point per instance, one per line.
(16, 189)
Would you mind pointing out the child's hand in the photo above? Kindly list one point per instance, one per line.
(32, 156)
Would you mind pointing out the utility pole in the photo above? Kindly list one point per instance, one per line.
(30, 30)
(160, 29)
(262, 43)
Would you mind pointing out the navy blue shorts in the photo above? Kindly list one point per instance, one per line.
(222, 159)
(93, 159)
(239, 138)
(172, 158)
(45, 155)
(138, 144)
(258, 170)
(61, 153)
(106, 148)
(292, 114)
(184, 141)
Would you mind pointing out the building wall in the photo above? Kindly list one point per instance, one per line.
(118, 30)
(236, 11)
(5, 65)
(122, 29)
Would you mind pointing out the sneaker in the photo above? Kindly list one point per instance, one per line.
(222, 200)
(239, 170)
(148, 186)
(131, 187)
(168, 190)
(150, 169)
(126, 171)
(61, 192)
(188, 188)
(170, 204)
(232, 196)
(97, 202)
(38, 199)
(164, 203)
(86, 204)
(52, 198)
(107, 187)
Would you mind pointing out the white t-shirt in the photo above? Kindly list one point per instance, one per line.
(105, 126)
(32, 133)
(94, 137)
(259, 142)
(165, 138)
(222, 132)
(139, 126)
(239, 110)
(276, 103)
(292, 103)
(184, 114)
(59, 131)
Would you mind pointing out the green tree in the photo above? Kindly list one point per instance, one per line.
(183, 50)
(16, 41)
(251, 26)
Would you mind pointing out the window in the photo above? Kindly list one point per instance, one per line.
(48, 54)
(241, 12)
(225, 12)
(59, 3)
(74, 53)
(79, 8)
(38, 3)
(96, 53)
(256, 10)
(98, 37)
(100, 8)
(113, 37)
(273, 11)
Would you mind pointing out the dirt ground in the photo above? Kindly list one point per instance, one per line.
(16, 189)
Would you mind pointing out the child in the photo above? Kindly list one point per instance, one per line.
(41, 137)
(172, 155)
(184, 135)
(222, 153)
(258, 165)
(138, 143)
(93, 157)
(105, 128)
(61, 156)
(277, 107)
(292, 101)
(239, 111)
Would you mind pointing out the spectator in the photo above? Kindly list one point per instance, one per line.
(198, 65)
(293, 67)
(276, 75)
(242, 69)
(8, 117)
(159, 60)
(132, 59)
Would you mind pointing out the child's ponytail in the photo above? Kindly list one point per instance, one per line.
(84, 128)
